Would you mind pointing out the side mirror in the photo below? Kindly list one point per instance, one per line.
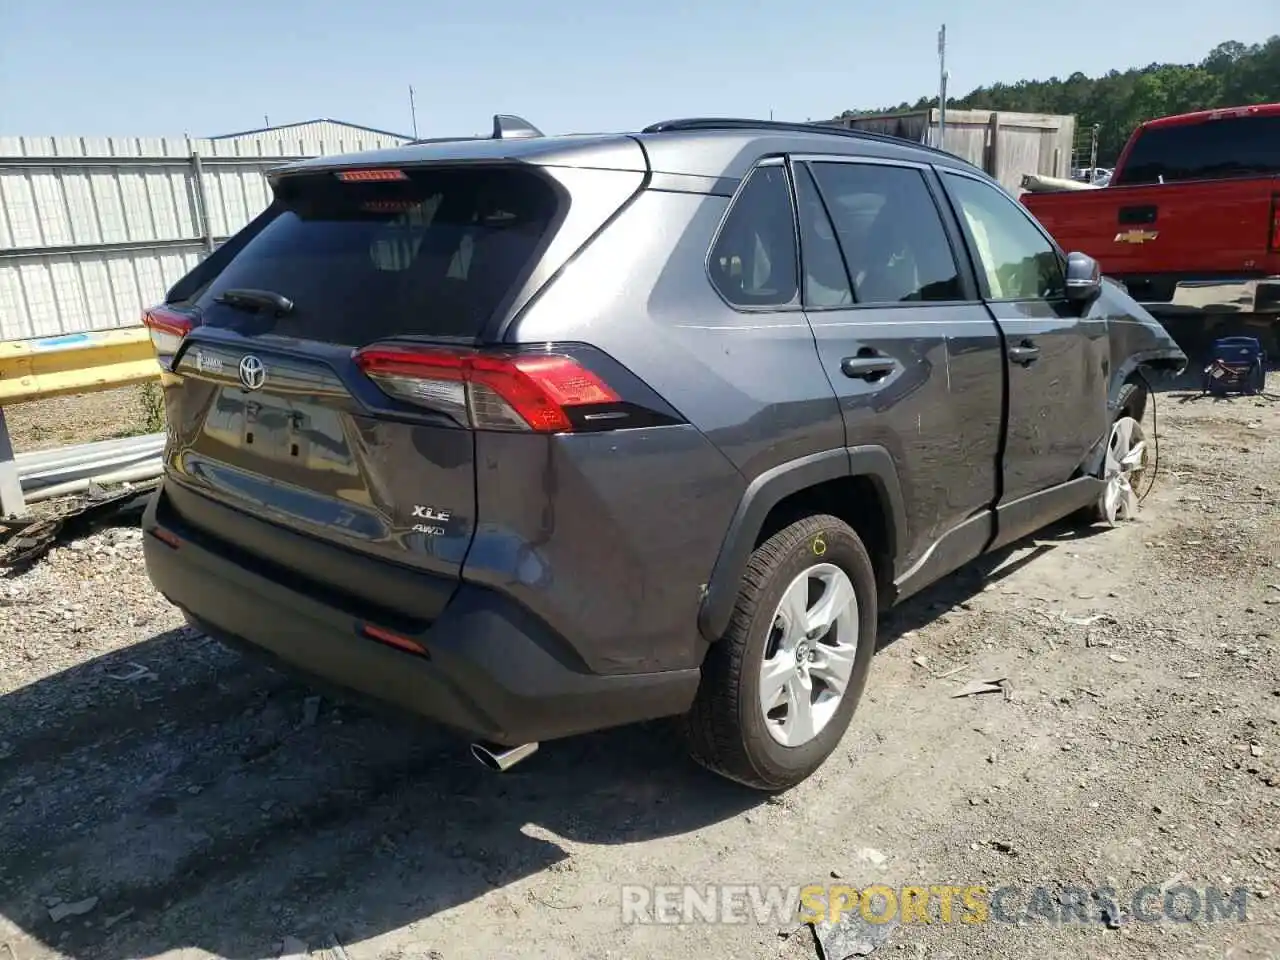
(1084, 278)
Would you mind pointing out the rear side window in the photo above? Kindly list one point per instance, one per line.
(890, 232)
(753, 262)
(432, 255)
(1230, 147)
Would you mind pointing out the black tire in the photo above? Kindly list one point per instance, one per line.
(1131, 402)
(726, 727)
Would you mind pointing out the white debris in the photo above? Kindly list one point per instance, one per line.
(872, 856)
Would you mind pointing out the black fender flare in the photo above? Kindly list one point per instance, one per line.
(771, 488)
(1175, 361)
(1169, 360)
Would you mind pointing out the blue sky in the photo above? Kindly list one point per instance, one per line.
(165, 67)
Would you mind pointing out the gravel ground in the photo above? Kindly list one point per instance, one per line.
(163, 797)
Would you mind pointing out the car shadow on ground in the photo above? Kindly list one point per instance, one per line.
(183, 796)
(205, 801)
(1189, 387)
(960, 587)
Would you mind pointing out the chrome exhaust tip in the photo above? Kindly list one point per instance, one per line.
(498, 758)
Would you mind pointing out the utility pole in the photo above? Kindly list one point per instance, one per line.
(1093, 154)
(413, 112)
(942, 87)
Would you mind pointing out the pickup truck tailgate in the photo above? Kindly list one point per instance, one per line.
(1204, 227)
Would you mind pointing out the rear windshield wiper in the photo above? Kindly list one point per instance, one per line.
(255, 300)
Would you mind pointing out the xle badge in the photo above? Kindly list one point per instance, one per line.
(439, 517)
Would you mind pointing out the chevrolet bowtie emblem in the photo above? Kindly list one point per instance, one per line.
(1136, 236)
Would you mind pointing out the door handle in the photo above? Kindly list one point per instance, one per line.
(1025, 353)
(869, 368)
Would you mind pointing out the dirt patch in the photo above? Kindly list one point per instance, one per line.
(209, 806)
(44, 424)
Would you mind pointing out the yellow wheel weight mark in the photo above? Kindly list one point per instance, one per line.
(819, 546)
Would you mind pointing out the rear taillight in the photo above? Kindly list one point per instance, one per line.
(167, 328)
(508, 391)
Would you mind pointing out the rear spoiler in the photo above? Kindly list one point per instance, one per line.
(506, 126)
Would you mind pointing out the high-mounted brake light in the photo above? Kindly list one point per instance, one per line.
(510, 391)
(167, 328)
(379, 175)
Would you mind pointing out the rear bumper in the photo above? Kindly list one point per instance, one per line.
(1191, 298)
(491, 672)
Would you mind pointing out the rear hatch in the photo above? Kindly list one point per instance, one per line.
(274, 411)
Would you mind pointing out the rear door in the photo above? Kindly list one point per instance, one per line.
(1056, 359)
(271, 414)
(885, 297)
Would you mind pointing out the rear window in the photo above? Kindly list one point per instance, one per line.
(1213, 149)
(432, 255)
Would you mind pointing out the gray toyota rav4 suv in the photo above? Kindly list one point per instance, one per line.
(540, 435)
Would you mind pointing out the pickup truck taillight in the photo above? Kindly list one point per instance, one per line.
(1274, 245)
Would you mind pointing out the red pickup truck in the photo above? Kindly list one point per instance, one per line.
(1190, 221)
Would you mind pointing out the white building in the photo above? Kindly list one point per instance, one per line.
(312, 137)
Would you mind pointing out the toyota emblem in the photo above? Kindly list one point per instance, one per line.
(252, 373)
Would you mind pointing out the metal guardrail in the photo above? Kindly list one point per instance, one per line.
(45, 474)
(60, 366)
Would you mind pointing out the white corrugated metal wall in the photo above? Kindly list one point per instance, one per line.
(92, 230)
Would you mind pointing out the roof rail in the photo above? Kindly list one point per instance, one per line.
(506, 126)
(787, 126)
